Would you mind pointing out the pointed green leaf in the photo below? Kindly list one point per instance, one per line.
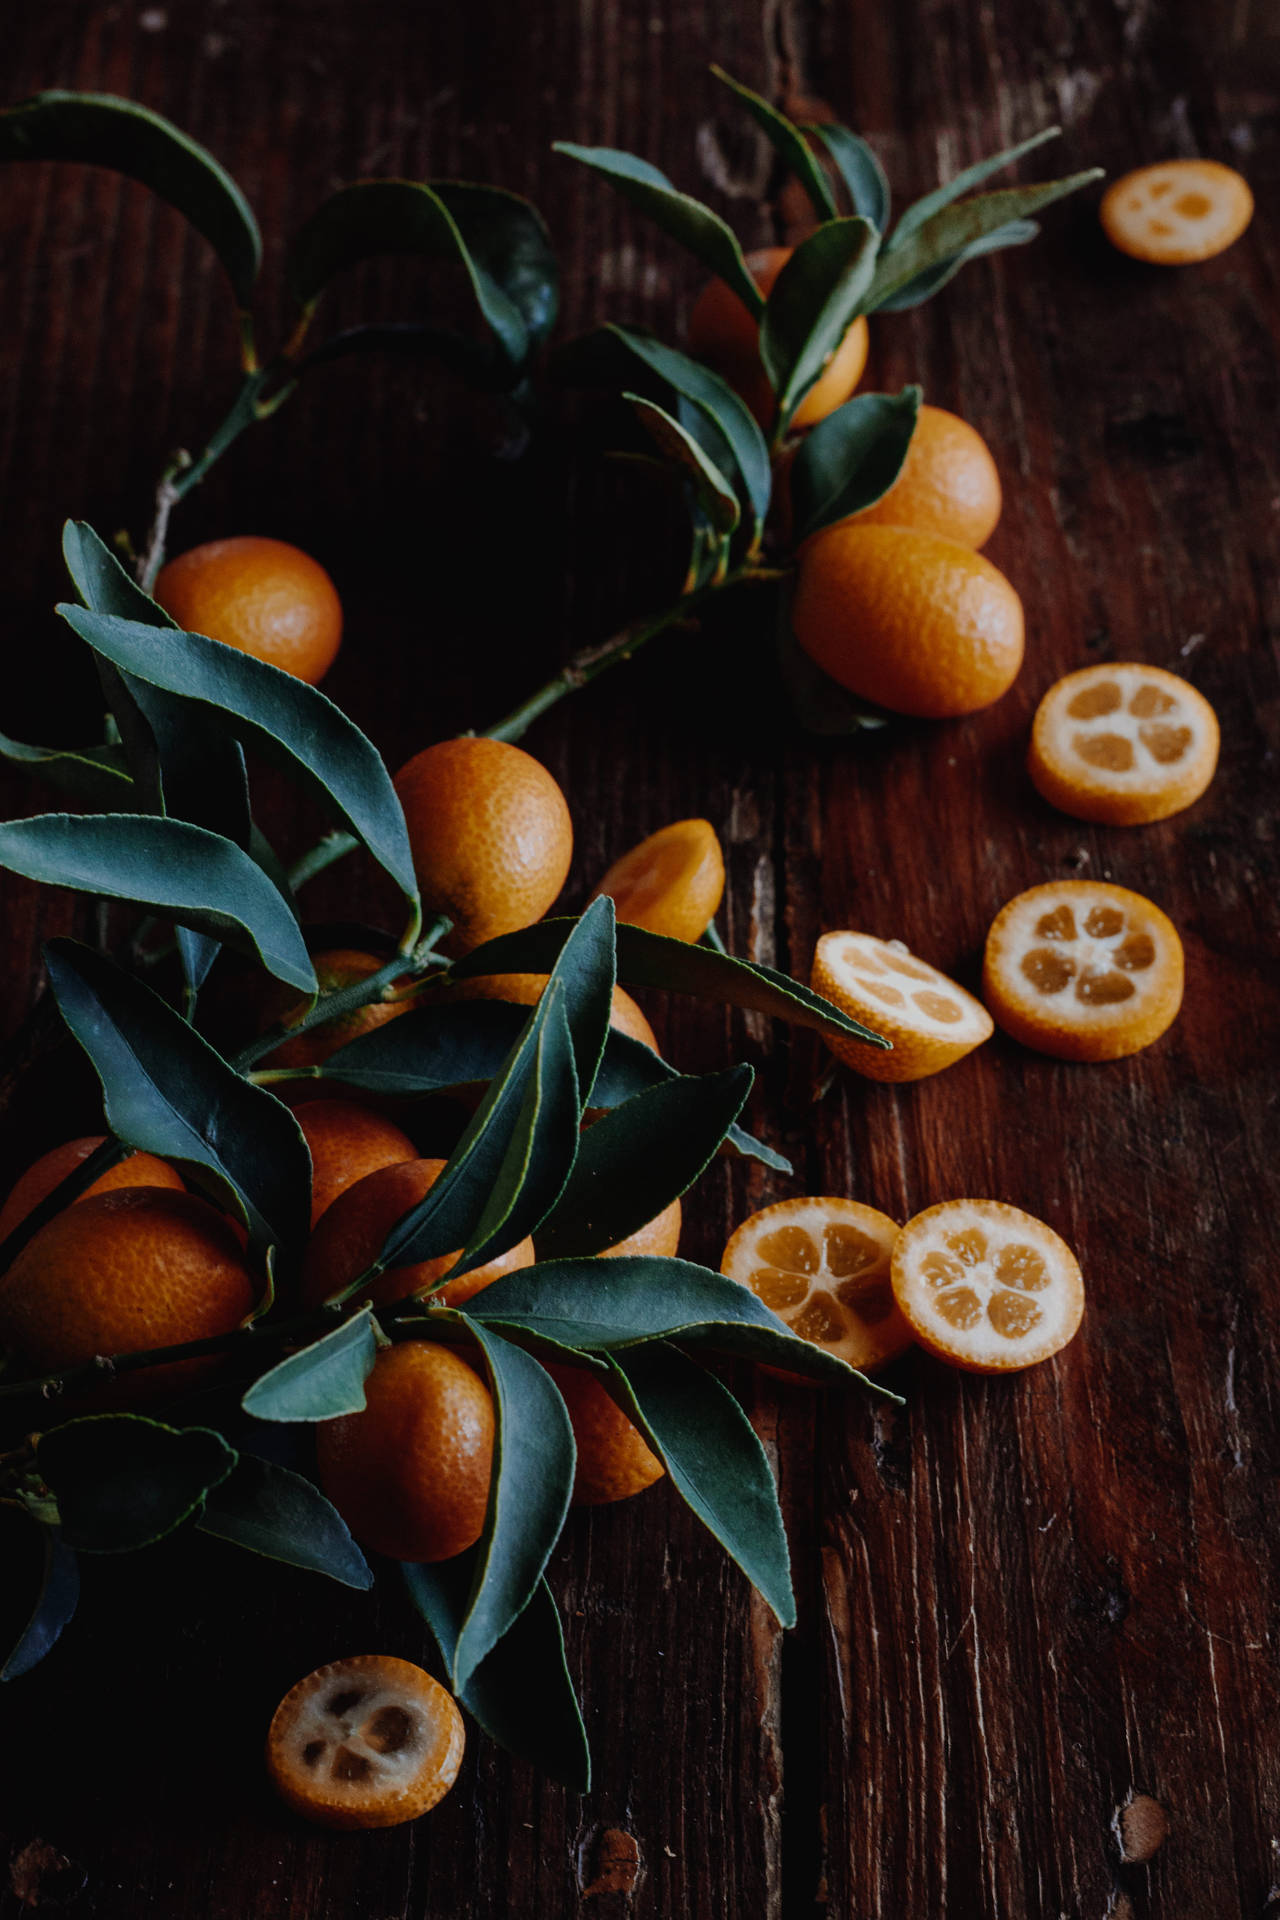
(860, 170)
(103, 131)
(955, 229)
(54, 1606)
(630, 1067)
(716, 1463)
(921, 211)
(852, 458)
(507, 238)
(715, 494)
(399, 216)
(639, 1157)
(686, 220)
(190, 875)
(653, 960)
(99, 776)
(168, 1092)
(122, 1481)
(529, 1493)
(787, 138)
(269, 1510)
(521, 1693)
(273, 711)
(323, 1381)
(1015, 234)
(812, 304)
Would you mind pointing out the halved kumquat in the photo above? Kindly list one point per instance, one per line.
(986, 1286)
(1123, 744)
(822, 1264)
(1176, 212)
(929, 1019)
(1083, 970)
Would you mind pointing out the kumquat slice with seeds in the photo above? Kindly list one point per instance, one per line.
(930, 1020)
(365, 1742)
(823, 1266)
(1083, 970)
(1123, 745)
(985, 1286)
(1177, 212)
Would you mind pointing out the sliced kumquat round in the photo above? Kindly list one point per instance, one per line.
(930, 1020)
(672, 882)
(1083, 970)
(823, 1267)
(369, 1741)
(1177, 212)
(986, 1286)
(1123, 744)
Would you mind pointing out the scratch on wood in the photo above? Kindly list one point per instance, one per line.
(618, 1864)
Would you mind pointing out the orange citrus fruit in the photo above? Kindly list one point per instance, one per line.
(410, 1473)
(614, 1459)
(347, 1141)
(659, 1238)
(1083, 970)
(335, 968)
(525, 990)
(915, 623)
(491, 836)
(124, 1272)
(52, 1168)
(930, 1020)
(352, 1232)
(368, 1741)
(262, 596)
(1123, 744)
(1176, 212)
(986, 1286)
(672, 882)
(823, 1266)
(948, 484)
(727, 337)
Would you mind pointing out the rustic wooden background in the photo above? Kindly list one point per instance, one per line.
(1038, 1615)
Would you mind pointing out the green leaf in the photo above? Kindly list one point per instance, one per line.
(955, 228)
(716, 1463)
(533, 1464)
(813, 303)
(1016, 234)
(55, 1604)
(714, 493)
(920, 212)
(97, 775)
(167, 1091)
(103, 131)
(288, 721)
(787, 138)
(653, 960)
(122, 1482)
(860, 170)
(686, 220)
(639, 1157)
(734, 442)
(401, 216)
(321, 1382)
(630, 1067)
(269, 1510)
(852, 458)
(193, 877)
(521, 1693)
(507, 238)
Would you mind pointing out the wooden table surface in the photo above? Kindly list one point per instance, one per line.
(1024, 1603)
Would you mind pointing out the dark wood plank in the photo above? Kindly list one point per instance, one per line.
(1022, 1602)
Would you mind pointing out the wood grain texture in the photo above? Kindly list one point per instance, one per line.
(1026, 1605)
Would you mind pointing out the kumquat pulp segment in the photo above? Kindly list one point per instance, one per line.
(823, 1267)
(1083, 970)
(929, 1019)
(986, 1286)
(1123, 744)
